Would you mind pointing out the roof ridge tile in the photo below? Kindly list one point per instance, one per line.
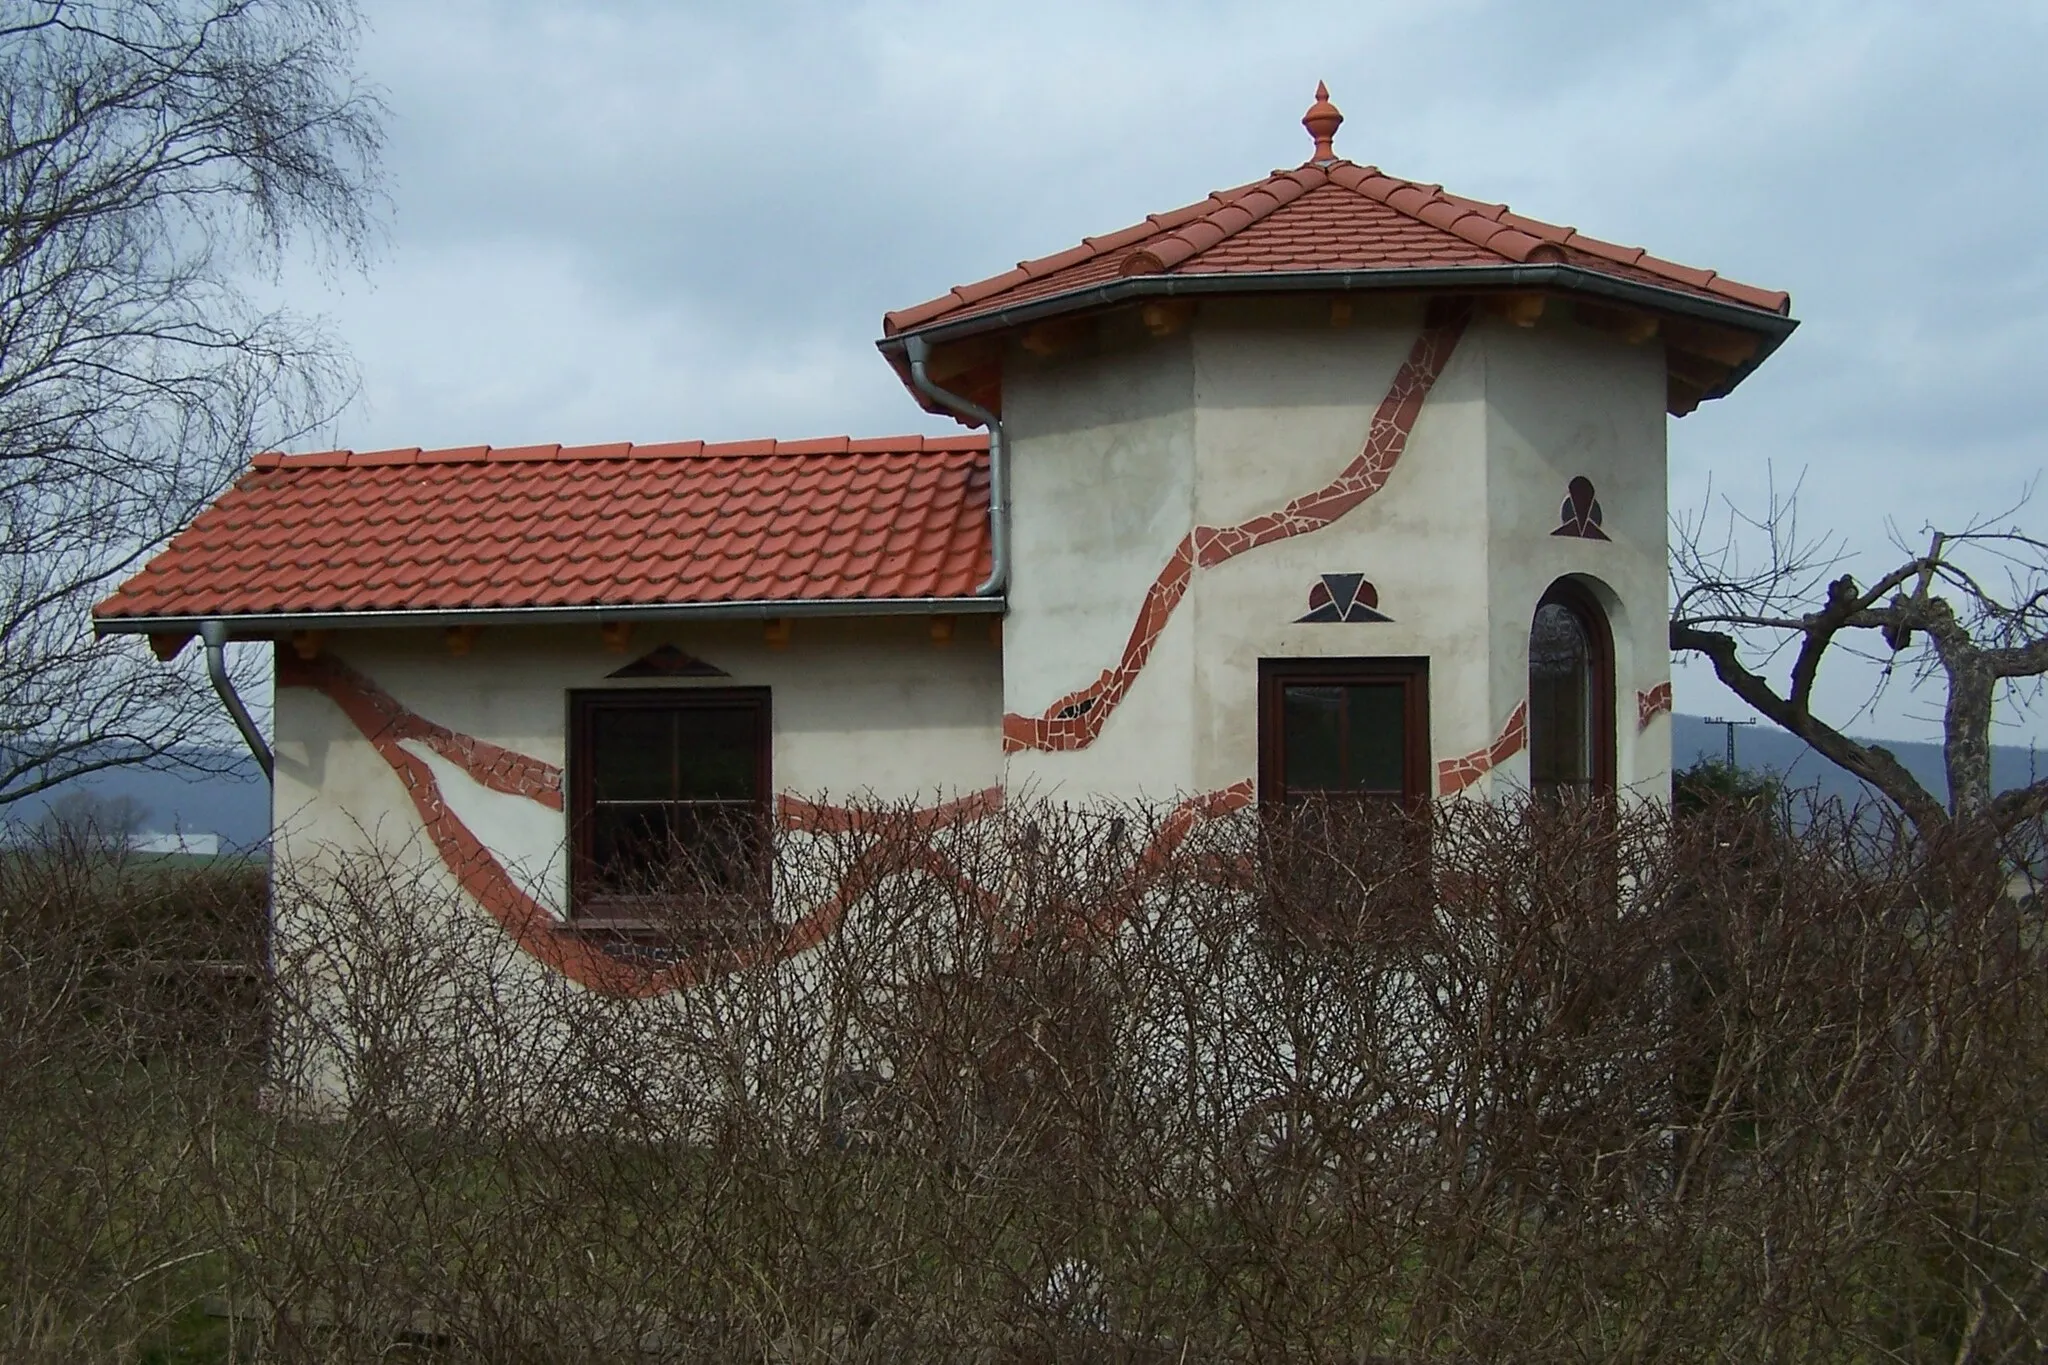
(271, 461)
(1178, 247)
(730, 449)
(455, 455)
(520, 454)
(667, 450)
(370, 459)
(817, 445)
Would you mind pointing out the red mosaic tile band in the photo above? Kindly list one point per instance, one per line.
(378, 715)
(533, 928)
(1195, 810)
(1116, 908)
(1653, 703)
(814, 817)
(1453, 775)
(1075, 720)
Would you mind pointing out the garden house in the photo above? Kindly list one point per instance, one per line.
(1332, 482)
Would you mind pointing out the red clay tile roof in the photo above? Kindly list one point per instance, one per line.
(1322, 216)
(552, 526)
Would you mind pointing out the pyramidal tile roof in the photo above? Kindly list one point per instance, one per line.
(1328, 214)
(536, 527)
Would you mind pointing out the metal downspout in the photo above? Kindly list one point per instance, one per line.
(919, 350)
(214, 635)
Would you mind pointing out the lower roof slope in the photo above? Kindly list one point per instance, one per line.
(547, 527)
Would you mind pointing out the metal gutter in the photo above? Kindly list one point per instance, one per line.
(264, 624)
(1773, 328)
(917, 349)
(214, 635)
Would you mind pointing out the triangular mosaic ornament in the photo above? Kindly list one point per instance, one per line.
(666, 661)
(1343, 598)
(1580, 515)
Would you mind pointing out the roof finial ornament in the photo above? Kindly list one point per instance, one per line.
(1322, 121)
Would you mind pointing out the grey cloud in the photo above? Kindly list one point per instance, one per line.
(647, 220)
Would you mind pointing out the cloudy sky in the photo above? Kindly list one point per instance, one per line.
(624, 219)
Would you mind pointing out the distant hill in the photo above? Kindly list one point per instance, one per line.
(237, 807)
(1766, 748)
(234, 806)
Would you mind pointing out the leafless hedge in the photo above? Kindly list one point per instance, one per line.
(1523, 1084)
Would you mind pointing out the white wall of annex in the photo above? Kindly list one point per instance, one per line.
(862, 709)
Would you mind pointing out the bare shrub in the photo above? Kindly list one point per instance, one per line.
(130, 1033)
(1509, 1082)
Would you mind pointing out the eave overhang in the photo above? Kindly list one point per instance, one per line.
(1769, 328)
(271, 625)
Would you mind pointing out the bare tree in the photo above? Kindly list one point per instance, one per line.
(1967, 615)
(158, 158)
(88, 820)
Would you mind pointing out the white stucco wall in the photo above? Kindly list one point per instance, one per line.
(861, 709)
(1563, 401)
(1103, 457)
(1282, 409)
(1121, 450)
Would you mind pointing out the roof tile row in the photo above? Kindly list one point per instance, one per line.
(590, 526)
(1364, 219)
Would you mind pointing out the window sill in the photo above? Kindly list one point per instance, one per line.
(694, 926)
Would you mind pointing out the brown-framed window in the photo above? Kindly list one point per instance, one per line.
(669, 793)
(1344, 794)
(1344, 729)
(1571, 695)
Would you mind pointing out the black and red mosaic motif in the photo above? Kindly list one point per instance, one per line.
(1343, 597)
(1580, 513)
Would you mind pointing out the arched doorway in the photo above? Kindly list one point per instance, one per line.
(1571, 694)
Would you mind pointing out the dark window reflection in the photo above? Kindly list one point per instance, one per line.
(1564, 677)
(1344, 737)
(676, 813)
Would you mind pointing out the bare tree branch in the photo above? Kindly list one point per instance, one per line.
(152, 154)
(1943, 614)
(1873, 763)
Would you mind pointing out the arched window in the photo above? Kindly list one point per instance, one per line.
(1571, 694)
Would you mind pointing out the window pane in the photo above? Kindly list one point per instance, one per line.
(1560, 700)
(1377, 738)
(718, 752)
(718, 848)
(677, 850)
(630, 846)
(672, 833)
(1312, 728)
(633, 754)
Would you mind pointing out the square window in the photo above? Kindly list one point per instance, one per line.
(1343, 728)
(1344, 790)
(669, 807)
